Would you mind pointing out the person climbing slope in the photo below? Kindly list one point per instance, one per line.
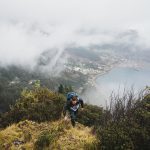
(72, 105)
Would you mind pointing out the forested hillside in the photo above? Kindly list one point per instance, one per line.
(122, 125)
(14, 79)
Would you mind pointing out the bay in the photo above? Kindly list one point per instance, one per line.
(119, 79)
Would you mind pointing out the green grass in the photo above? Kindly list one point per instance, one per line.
(49, 135)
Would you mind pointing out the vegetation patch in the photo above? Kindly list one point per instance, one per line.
(50, 135)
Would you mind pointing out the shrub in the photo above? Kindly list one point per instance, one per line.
(39, 104)
(44, 140)
(126, 123)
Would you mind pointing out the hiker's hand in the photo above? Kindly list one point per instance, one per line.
(65, 118)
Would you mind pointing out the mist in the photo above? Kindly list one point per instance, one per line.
(29, 28)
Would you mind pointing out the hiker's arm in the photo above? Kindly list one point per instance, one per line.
(66, 107)
(81, 102)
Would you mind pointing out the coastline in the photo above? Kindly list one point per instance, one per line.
(94, 77)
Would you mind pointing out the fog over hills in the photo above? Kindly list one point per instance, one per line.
(29, 28)
(69, 42)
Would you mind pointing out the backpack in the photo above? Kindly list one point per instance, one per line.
(70, 95)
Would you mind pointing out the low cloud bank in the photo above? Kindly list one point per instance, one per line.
(42, 30)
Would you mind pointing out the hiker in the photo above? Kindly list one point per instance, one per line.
(72, 105)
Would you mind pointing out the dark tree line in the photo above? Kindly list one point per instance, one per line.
(64, 89)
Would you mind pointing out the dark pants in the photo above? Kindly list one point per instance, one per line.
(73, 115)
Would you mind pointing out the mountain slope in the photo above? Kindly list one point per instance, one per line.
(49, 135)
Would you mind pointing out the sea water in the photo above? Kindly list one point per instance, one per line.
(119, 79)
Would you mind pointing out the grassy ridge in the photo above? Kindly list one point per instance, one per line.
(49, 135)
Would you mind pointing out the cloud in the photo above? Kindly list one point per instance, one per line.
(28, 28)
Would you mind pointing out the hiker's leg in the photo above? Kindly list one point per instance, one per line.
(75, 114)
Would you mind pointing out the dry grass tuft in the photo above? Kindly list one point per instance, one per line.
(59, 135)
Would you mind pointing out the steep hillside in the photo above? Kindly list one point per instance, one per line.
(14, 79)
(49, 135)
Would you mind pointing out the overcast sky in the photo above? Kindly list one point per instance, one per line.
(29, 27)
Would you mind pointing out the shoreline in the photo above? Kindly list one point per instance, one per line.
(94, 77)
